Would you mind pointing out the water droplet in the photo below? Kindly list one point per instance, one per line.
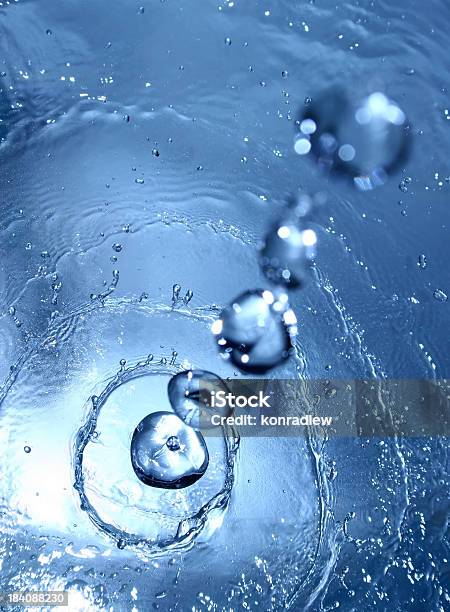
(176, 293)
(227, 41)
(404, 183)
(155, 152)
(185, 391)
(288, 250)
(117, 247)
(440, 295)
(365, 141)
(422, 261)
(27, 449)
(188, 297)
(139, 181)
(256, 330)
(167, 454)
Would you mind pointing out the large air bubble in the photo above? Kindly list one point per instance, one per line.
(364, 140)
(165, 453)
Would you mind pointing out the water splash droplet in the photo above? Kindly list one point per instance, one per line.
(160, 462)
(175, 293)
(288, 251)
(256, 330)
(422, 261)
(185, 391)
(188, 297)
(404, 183)
(366, 141)
(440, 296)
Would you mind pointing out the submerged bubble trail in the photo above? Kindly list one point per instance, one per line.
(167, 454)
(185, 391)
(366, 141)
(256, 330)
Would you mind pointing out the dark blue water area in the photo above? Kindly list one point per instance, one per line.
(151, 144)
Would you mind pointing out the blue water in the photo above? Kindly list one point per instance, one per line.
(151, 144)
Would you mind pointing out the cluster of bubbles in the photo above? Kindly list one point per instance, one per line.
(364, 141)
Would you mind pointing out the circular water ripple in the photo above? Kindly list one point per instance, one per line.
(115, 500)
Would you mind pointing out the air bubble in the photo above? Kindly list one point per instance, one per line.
(365, 141)
(256, 330)
(288, 251)
(185, 391)
(167, 454)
